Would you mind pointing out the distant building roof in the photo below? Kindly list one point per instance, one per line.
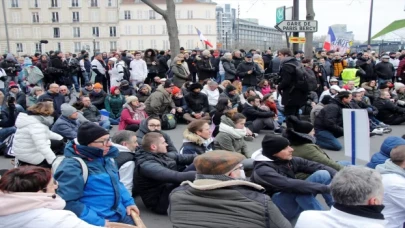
(396, 25)
(164, 1)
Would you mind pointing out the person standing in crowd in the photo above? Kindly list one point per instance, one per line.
(102, 198)
(230, 93)
(9, 113)
(268, 63)
(67, 124)
(92, 114)
(275, 68)
(191, 62)
(249, 72)
(237, 58)
(229, 67)
(275, 169)
(160, 102)
(151, 64)
(162, 64)
(85, 67)
(393, 179)
(11, 68)
(138, 69)
(100, 69)
(73, 69)
(197, 138)
(56, 63)
(33, 142)
(97, 96)
(113, 104)
(43, 65)
(329, 122)
(221, 173)
(292, 98)
(384, 70)
(358, 195)
(157, 173)
(205, 66)
(338, 64)
(133, 112)
(364, 62)
(352, 74)
(116, 71)
(53, 95)
(388, 112)
(29, 199)
(125, 58)
(180, 75)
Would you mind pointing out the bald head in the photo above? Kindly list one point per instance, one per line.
(54, 88)
(385, 95)
(63, 90)
(398, 156)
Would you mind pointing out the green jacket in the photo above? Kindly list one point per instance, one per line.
(305, 148)
(229, 138)
(113, 104)
(159, 102)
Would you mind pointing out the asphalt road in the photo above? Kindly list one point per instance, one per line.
(158, 221)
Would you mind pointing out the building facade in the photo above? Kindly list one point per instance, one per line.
(226, 26)
(67, 25)
(142, 28)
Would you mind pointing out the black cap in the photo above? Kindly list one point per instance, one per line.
(168, 84)
(230, 88)
(88, 132)
(273, 144)
(182, 49)
(248, 55)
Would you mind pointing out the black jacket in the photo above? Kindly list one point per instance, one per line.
(253, 113)
(128, 90)
(229, 67)
(20, 97)
(371, 110)
(290, 95)
(143, 130)
(249, 79)
(206, 68)
(384, 70)
(158, 172)
(191, 63)
(387, 110)
(58, 100)
(10, 68)
(330, 118)
(237, 61)
(8, 116)
(279, 176)
(368, 68)
(57, 62)
(268, 63)
(97, 99)
(162, 66)
(197, 102)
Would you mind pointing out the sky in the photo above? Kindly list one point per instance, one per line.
(354, 13)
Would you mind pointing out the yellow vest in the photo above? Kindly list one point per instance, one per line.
(349, 74)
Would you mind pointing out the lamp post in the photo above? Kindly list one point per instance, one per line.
(94, 47)
(265, 42)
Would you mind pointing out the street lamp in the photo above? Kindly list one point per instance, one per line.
(265, 42)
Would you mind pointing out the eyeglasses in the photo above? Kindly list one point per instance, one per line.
(104, 142)
(155, 126)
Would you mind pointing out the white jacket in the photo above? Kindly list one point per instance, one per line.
(336, 219)
(116, 74)
(139, 70)
(32, 140)
(213, 96)
(33, 210)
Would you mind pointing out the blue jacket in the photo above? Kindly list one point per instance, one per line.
(103, 197)
(385, 151)
(66, 127)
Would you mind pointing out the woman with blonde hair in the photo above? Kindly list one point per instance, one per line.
(34, 144)
(224, 84)
(238, 86)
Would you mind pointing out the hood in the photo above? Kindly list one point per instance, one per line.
(145, 86)
(121, 148)
(191, 137)
(227, 126)
(10, 58)
(153, 54)
(286, 59)
(23, 120)
(27, 62)
(12, 203)
(258, 156)
(366, 86)
(113, 88)
(389, 144)
(212, 184)
(74, 149)
(390, 168)
(140, 107)
(226, 120)
(223, 59)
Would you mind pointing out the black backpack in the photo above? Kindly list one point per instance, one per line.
(127, 73)
(169, 121)
(304, 80)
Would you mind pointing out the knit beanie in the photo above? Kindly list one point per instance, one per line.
(230, 88)
(273, 144)
(217, 162)
(98, 86)
(299, 126)
(326, 99)
(129, 99)
(89, 132)
(12, 85)
(168, 84)
(67, 110)
(175, 90)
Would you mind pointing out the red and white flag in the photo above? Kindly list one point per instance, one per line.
(203, 39)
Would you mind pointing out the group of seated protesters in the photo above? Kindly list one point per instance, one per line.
(202, 183)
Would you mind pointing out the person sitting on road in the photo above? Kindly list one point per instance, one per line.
(102, 198)
(302, 139)
(143, 93)
(35, 93)
(160, 102)
(197, 138)
(126, 142)
(53, 95)
(257, 119)
(333, 91)
(9, 113)
(34, 143)
(113, 104)
(67, 124)
(221, 173)
(180, 102)
(132, 114)
(127, 89)
(86, 90)
(28, 199)
(153, 124)
(69, 98)
(158, 172)
(212, 91)
(388, 112)
(231, 93)
(92, 114)
(329, 122)
(318, 107)
(372, 90)
(97, 96)
(358, 194)
(385, 150)
(393, 178)
(197, 103)
(400, 92)
(79, 106)
(275, 169)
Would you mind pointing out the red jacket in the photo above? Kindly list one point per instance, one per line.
(401, 69)
(128, 116)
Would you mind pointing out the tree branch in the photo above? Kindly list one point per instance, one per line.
(155, 7)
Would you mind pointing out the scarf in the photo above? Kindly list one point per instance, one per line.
(46, 120)
(389, 167)
(237, 133)
(367, 211)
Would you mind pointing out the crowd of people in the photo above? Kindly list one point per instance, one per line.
(66, 104)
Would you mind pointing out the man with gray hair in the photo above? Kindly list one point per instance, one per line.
(358, 194)
(205, 67)
(126, 142)
(393, 178)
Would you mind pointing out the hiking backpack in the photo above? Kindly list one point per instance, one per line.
(304, 80)
(59, 159)
(168, 121)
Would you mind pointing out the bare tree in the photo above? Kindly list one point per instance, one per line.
(169, 15)
(309, 35)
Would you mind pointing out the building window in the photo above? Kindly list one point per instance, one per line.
(190, 29)
(113, 45)
(55, 17)
(111, 3)
(97, 46)
(94, 3)
(14, 4)
(164, 30)
(54, 3)
(56, 33)
(207, 14)
(140, 29)
(38, 47)
(208, 29)
(59, 46)
(128, 44)
(95, 16)
(190, 14)
(78, 46)
(127, 29)
(75, 3)
(35, 17)
(153, 44)
(76, 32)
(152, 29)
(19, 47)
(152, 14)
(178, 14)
(113, 31)
(96, 32)
(34, 3)
(140, 44)
(127, 15)
(17, 32)
(165, 44)
(139, 14)
(75, 16)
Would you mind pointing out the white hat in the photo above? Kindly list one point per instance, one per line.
(336, 87)
(360, 90)
(398, 85)
(333, 79)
